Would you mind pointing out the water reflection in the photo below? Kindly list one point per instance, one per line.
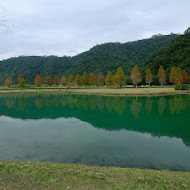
(94, 127)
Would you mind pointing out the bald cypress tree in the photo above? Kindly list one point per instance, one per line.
(185, 77)
(178, 77)
(78, 80)
(21, 80)
(121, 76)
(161, 76)
(8, 82)
(101, 79)
(70, 79)
(136, 76)
(48, 81)
(85, 79)
(148, 76)
(92, 79)
(38, 81)
(109, 79)
(172, 75)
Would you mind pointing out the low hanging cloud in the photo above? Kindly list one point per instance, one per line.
(62, 27)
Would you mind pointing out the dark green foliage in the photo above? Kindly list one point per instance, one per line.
(182, 87)
(101, 58)
(176, 54)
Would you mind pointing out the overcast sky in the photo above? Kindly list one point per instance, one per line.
(69, 27)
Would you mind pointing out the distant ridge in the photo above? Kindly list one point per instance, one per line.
(104, 58)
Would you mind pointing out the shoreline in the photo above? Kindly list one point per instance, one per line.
(44, 175)
(154, 91)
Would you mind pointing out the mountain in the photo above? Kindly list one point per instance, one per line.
(105, 57)
(177, 53)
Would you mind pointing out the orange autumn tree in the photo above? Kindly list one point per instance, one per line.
(136, 76)
(48, 81)
(70, 79)
(101, 79)
(8, 82)
(21, 81)
(161, 76)
(178, 77)
(109, 79)
(172, 75)
(92, 79)
(148, 76)
(38, 81)
(56, 81)
(185, 77)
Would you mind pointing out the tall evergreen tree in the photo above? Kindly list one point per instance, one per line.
(161, 76)
(148, 76)
(136, 76)
(109, 79)
(172, 75)
(85, 79)
(101, 79)
(21, 80)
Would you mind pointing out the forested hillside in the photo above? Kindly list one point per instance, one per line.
(175, 54)
(105, 57)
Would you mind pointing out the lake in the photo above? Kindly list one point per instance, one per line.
(142, 132)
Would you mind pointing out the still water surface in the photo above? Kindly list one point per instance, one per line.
(143, 132)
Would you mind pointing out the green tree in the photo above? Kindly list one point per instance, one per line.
(85, 79)
(109, 79)
(78, 80)
(161, 76)
(136, 75)
(21, 80)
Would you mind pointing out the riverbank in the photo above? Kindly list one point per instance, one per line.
(101, 91)
(30, 175)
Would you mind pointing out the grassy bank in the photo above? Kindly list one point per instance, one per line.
(28, 175)
(99, 91)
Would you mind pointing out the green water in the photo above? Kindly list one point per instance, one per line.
(143, 132)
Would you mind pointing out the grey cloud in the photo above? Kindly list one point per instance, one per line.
(68, 27)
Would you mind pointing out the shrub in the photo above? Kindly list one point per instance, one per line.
(182, 87)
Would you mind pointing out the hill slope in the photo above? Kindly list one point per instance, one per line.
(103, 58)
(175, 54)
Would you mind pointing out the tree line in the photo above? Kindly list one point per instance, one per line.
(119, 79)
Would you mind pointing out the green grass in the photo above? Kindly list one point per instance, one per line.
(30, 175)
